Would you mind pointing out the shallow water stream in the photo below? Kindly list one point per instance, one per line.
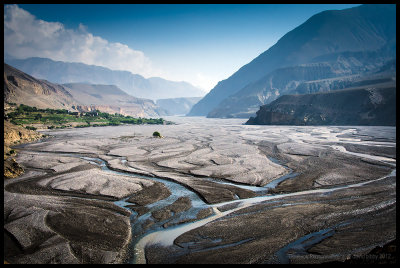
(157, 234)
(165, 237)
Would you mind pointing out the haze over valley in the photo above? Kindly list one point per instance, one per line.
(200, 134)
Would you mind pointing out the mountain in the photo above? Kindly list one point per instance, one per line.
(136, 85)
(357, 106)
(340, 42)
(111, 99)
(177, 106)
(165, 89)
(340, 73)
(22, 88)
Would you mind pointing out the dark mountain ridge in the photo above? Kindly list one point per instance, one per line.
(357, 106)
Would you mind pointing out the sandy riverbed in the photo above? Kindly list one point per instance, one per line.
(63, 210)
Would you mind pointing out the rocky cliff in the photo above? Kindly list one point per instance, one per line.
(357, 106)
(15, 135)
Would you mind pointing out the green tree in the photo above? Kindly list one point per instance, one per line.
(38, 117)
(157, 134)
(20, 109)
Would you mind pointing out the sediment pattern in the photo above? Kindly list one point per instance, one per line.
(202, 194)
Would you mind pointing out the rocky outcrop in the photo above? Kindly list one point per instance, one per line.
(14, 135)
(12, 169)
(359, 106)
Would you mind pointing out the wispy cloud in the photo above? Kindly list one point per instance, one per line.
(26, 36)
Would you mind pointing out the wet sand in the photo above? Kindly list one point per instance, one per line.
(67, 207)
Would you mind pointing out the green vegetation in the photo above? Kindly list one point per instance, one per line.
(61, 118)
(30, 128)
(157, 134)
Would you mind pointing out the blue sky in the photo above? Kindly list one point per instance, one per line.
(198, 43)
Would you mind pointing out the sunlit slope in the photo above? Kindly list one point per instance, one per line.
(360, 29)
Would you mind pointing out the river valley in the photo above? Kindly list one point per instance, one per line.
(209, 191)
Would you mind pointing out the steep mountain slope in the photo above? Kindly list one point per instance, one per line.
(357, 106)
(133, 84)
(360, 29)
(22, 88)
(338, 73)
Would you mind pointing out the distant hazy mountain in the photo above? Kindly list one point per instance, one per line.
(136, 85)
(20, 87)
(331, 44)
(360, 106)
(177, 106)
(111, 99)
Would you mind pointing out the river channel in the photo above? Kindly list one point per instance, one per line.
(352, 181)
(157, 234)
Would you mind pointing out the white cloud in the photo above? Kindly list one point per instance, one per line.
(26, 36)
